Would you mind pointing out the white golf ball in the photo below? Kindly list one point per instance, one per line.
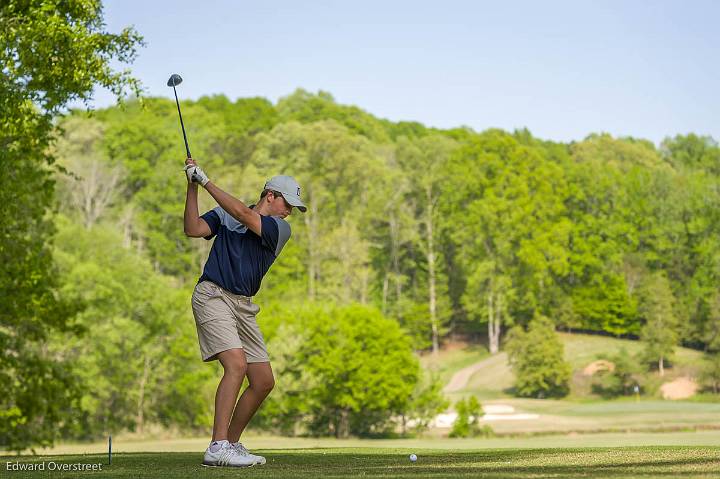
(413, 458)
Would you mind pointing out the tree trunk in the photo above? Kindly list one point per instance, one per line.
(141, 396)
(88, 189)
(386, 285)
(364, 290)
(498, 321)
(494, 323)
(395, 255)
(346, 259)
(431, 274)
(343, 425)
(140, 246)
(310, 222)
(490, 319)
(660, 366)
(95, 192)
(126, 221)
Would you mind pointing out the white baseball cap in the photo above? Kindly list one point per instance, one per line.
(289, 188)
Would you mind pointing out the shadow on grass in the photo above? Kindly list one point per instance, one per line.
(683, 462)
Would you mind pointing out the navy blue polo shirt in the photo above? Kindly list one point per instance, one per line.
(239, 258)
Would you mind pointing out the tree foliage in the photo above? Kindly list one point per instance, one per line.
(53, 52)
(622, 379)
(340, 371)
(469, 412)
(536, 357)
(710, 374)
(660, 330)
(520, 228)
(138, 354)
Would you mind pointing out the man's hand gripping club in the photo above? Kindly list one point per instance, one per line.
(194, 173)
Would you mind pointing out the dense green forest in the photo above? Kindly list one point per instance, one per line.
(413, 235)
(443, 231)
(435, 233)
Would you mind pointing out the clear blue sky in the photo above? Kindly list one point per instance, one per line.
(563, 69)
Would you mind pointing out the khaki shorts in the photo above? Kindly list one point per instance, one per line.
(226, 321)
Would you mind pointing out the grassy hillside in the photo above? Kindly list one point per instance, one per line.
(489, 378)
(494, 378)
(453, 358)
(582, 349)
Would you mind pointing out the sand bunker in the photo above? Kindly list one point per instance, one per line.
(492, 412)
(599, 365)
(681, 388)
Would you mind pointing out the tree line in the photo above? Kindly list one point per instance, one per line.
(443, 231)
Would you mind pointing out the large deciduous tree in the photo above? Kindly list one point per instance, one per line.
(51, 52)
(503, 207)
(660, 332)
(337, 172)
(93, 184)
(345, 370)
(424, 161)
(536, 357)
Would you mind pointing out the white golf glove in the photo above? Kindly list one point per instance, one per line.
(195, 174)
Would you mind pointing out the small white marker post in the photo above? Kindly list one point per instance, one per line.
(109, 450)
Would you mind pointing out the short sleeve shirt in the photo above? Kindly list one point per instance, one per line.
(239, 258)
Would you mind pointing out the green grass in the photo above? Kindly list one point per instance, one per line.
(558, 416)
(621, 407)
(450, 361)
(495, 379)
(554, 440)
(582, 349)
(635, 462)
(582, 411)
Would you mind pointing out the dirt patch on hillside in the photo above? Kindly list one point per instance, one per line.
(455, 345)
(599, 365)
(681, 388)
(447, 346)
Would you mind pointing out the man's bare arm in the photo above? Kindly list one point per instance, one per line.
(235, 208)
(194, 226)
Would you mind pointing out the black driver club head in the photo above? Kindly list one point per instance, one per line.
(174, 80)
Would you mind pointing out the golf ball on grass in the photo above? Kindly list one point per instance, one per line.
(413, 458)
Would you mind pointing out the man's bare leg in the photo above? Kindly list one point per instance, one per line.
(235, 366)
(260, 377)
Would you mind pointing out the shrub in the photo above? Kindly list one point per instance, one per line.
(467, 423)
(536, 357)
(622, 380)
(710, 374)
(340, 371)
(427, 402)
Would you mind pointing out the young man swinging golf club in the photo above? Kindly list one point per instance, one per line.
(247, 241)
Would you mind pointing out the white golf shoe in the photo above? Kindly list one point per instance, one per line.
(227, 455)
(243, 451)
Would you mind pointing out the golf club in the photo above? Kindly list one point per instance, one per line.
(174, 80)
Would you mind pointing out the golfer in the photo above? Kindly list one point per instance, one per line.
(247, 241)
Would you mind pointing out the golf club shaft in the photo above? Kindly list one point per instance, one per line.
(182, 125)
